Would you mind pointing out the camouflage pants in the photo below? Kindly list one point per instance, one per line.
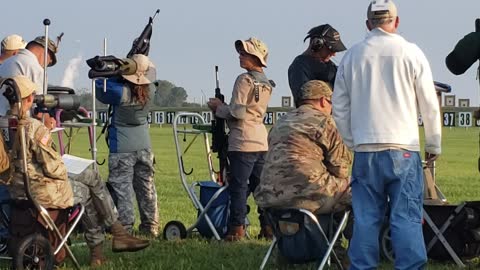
(131, 173)
(90, 191)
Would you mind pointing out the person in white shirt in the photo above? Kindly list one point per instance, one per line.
(381, 85)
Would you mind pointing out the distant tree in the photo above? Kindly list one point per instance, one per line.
(169, 95)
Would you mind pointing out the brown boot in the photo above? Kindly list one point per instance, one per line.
(123, 241)
(266, 232)
(96, 256)
(235, 233)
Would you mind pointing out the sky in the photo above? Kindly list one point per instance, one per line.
(191, 37)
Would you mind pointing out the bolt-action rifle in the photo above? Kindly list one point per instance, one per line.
(219, 135)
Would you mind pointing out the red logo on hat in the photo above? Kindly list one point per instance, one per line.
(406, 155)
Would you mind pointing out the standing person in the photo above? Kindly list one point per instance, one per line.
(379, 84)
(315, 62)
(54, 189)
(11, 45)
(30, 62)
(131, 160)
(247, 142)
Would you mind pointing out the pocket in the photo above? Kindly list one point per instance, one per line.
(360, 166)
(415, 210)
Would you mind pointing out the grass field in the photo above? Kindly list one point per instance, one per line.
(457, 176)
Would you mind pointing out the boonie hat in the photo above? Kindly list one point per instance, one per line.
(254, 47)
(13, 42)
(329, 34)
(145, 72)
(315, 89)
(379, 10)
(52, 48)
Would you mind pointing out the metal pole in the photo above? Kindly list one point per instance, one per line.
(105, 54)
(46, 22)
(94, 124)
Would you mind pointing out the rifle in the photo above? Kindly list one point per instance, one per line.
(219, 135)
(141, 45)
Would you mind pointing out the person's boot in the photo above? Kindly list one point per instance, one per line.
(122, 241)
(266, 232)
(96, 256)
(235, 233)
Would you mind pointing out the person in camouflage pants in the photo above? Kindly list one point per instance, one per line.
(130, 162)
(307, 163)
(53, 188)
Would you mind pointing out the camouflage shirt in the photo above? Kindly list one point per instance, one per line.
(49, 182)
(307, 164)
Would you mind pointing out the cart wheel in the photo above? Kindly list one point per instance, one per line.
(34, 252)
(386, 244)
(174, 230)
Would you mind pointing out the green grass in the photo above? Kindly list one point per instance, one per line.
(457, 176)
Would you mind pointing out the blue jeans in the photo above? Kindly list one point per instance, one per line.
(244, 176)
(392, 177)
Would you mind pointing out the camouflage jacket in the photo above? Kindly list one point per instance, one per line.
(49, 182)
(307, 164)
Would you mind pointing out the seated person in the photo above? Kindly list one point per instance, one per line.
(53, 189)
(307, 163)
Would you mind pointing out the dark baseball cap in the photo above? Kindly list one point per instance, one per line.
(329, 34)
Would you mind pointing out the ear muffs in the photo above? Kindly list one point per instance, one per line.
(319, 41)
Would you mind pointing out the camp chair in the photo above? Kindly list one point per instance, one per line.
(452, 231)
(301, 236)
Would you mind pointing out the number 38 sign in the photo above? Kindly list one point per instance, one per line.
(465, 119)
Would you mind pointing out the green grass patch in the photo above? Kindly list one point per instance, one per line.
(457, 176)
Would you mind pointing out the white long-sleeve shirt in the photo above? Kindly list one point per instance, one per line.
(380, 85)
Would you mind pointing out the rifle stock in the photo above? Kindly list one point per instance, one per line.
(219, 135)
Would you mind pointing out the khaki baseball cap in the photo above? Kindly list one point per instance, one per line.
(315, 89)
(254, 47)
(52, 48)
(13, 42)
(145, 71)
(379, 10)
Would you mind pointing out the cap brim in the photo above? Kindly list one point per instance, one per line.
(54, 58)
(339, 47)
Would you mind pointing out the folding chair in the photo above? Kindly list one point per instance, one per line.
(295, 225)
(450, 230)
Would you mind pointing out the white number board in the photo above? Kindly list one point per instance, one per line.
(448, 119)
(207, 117)
(464, 119)
(279, 115)
(159, 117)
(170, 117)
(268, 119)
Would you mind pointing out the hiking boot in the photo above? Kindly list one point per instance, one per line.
(235, 233)
(266, 233)
(96, 256)
(123, 241)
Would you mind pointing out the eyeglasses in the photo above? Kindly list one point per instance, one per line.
(329, 101)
